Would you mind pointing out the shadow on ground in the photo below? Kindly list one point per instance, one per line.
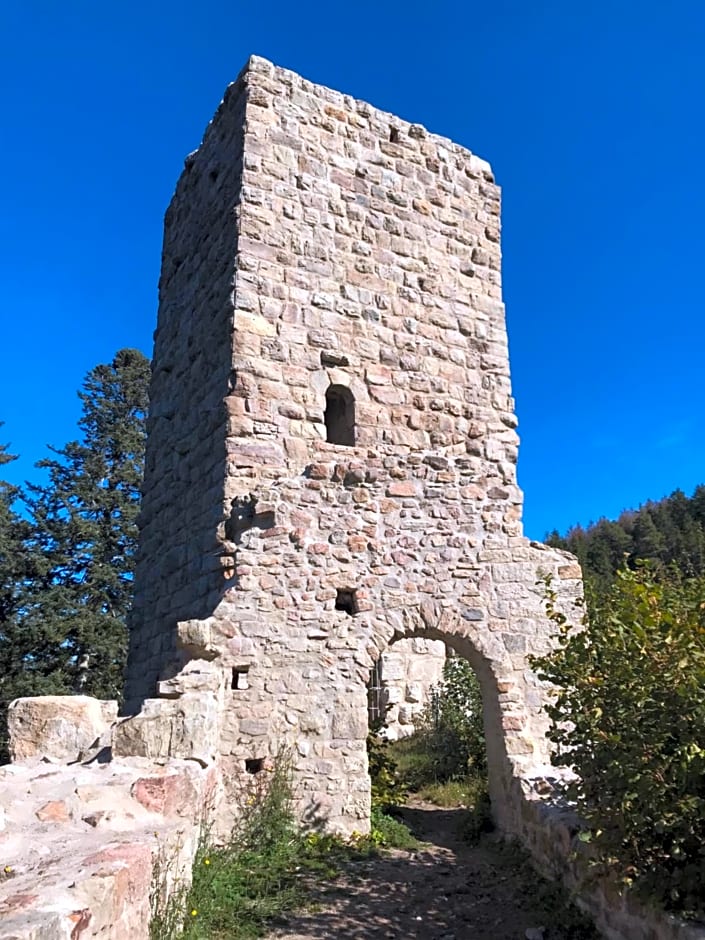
(446, 890)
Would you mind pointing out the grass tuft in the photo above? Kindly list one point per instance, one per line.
(264, 871)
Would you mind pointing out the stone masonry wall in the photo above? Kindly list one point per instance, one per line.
(407, 673)
(182, 510)
(315, 242)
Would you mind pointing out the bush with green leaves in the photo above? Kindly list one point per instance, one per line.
(628, 714)
(388, 789)
(453, 726)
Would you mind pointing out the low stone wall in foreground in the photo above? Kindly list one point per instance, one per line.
(81, 832)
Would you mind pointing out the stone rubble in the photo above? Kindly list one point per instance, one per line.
(79, 842)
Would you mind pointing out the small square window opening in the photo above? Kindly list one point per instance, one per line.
(239, 678)
(345, 601)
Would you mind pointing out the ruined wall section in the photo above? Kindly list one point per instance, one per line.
(408, 672)
(182, 509)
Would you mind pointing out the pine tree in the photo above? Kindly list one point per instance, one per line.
(13, 535)
(85, 533)
(15, 570)
(649, 542)
(664, 533)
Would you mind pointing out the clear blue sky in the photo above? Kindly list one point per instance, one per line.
(590, 113)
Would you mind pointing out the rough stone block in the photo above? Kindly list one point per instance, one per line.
(59, 727)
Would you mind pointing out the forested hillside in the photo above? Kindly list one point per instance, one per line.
(668, 532)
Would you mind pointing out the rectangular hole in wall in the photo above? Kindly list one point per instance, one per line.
(263, 520)
(345, 601)
(254, 765)
(239, 678)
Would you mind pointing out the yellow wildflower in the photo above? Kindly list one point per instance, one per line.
(194, 913)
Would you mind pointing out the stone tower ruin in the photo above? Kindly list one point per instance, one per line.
(331, 463)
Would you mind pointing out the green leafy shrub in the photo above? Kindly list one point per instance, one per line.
(388, 832)
(452, 724)
(629, 716)
(388, 790)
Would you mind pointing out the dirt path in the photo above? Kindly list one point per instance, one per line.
(446, 890)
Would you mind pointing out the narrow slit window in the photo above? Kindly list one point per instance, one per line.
(340, 416)
(239, 678)
(345, 601)
(375, 693)
(254, 765)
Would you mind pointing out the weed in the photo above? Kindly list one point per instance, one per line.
(266, 868)
(388, 832)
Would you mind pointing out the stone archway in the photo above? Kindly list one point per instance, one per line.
(506, 719)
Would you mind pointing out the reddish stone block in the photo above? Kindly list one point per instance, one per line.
(17, 902)
(53, 811)
(402, 488)
(169, 795)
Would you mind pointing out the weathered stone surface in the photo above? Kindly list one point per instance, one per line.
(402, 681)
(53, 811)
(59, 727)
(185, 727)
(79, 846)
(345, 479)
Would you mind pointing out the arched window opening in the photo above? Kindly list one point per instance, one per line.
(340, 416)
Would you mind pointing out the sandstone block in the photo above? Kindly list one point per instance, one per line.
(199, 675)
(187, 727)
(60, 727)
(54, 811)
(170, 794)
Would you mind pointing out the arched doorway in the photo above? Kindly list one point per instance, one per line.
(437, 752)
(514, 740)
